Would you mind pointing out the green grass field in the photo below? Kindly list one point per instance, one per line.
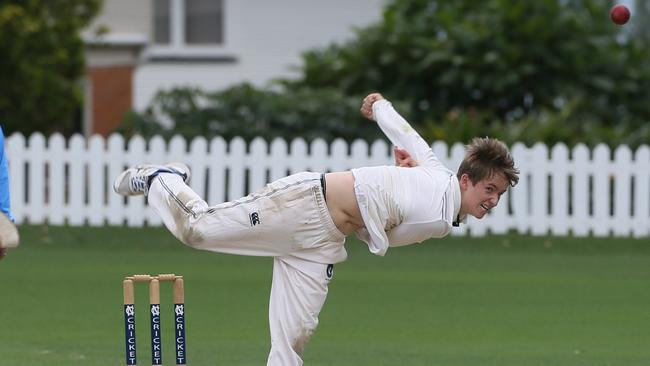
(459, 301)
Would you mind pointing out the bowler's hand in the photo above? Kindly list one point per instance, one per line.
(366, 106)
(403, 158)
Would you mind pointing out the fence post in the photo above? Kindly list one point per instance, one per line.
(96, 181)
(115, 162)
(217, 171)
(622, 179)
(237, 169)
(36, 198)
(581, 166)
(56, 184)
(601, 198)
(642, 192)
(521, 194)
(560, 168)
(135, 208)
(257, 164)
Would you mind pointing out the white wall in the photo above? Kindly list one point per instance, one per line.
(126, 16)
(266, 38)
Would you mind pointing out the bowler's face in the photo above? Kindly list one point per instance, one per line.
(478, 199)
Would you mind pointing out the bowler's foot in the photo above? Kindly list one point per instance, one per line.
(136, 181)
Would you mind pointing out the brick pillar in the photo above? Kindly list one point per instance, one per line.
(111, 96)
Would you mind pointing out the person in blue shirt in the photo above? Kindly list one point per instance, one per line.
(8, 232)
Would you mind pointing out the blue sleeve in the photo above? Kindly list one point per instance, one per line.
(5, 202)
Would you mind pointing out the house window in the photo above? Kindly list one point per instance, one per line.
(203, 22)
(181, 23)
(161, 26)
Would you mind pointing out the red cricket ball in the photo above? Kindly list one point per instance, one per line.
(620, 14)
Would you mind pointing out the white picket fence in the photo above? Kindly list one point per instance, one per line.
(561, 192)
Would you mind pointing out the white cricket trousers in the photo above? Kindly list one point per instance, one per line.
(287, 220)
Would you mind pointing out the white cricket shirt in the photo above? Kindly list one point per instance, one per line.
(402, 206)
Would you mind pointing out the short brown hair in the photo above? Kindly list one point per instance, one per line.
(486, 157)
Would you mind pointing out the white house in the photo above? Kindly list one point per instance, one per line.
(156, 44)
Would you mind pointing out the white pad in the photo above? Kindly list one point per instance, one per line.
(8, 233)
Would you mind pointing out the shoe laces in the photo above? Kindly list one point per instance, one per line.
(140, 181)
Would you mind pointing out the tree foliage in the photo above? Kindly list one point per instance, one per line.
(248, 112)
(41, 62)
(544, 70)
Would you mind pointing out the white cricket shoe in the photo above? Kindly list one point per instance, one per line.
(135, 181)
